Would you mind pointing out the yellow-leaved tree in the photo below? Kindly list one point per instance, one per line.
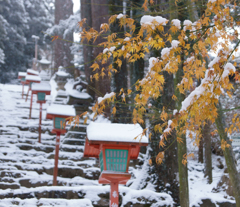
(185, 59)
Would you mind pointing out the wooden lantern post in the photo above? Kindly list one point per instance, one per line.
(58, 113)
(29, 80)
(41, 90)
(114, 145)
(22, 77)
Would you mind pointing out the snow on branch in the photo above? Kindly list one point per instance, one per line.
(207, 82)
(106, 96)
(147, 19)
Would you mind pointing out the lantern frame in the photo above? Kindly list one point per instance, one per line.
(22, 77)
(57, 111)
(38, 88)
(98, 144)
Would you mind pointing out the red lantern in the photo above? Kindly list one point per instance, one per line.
(114, 145)
(59, 113)
(41, 90)
(22, 77)
(29, 80)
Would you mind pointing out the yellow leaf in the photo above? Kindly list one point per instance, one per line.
(94, 66)
(159, 158)
(174, 97)
(150, 162)
(114, 110)
(180, 140)
(149, 136)
(85, 120)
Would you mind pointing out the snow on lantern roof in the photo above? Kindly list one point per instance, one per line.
(33, 78)
(61, 110)
(112, 132)
(22, 74)
(62, 73)
(44, 61)
(32, 72)
(77, 94)
(41, 87)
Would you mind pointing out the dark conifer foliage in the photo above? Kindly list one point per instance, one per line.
(19, 20)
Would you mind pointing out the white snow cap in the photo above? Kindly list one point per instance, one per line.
(175, 43)
(177, 23)
(115, 132)
(120, 16)
(41, 87)
(33, 78)
(227, 68)
(77, 94)
(187, 22)
(147, 19)
(44, 61)
(105, 50)
(107, 95)
(111, 49)
(175, 111)
(21, 74)
(152, 61)
(62, 110)
(62, 73)
(165, 52)
(31, 71)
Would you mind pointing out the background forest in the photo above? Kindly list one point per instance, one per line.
(55, 20)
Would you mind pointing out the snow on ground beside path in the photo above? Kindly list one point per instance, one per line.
(199, 189)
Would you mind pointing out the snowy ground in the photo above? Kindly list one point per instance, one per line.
(26, 166)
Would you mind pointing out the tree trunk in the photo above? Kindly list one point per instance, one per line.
(99, 16)
(171, 155)
(229, 156)
(200, 151)
(136, 68)
(86, 12)
(182, 146)
(207, 152)
(62, 52)
(120, 79)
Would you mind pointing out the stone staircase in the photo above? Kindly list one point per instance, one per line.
(27, 165)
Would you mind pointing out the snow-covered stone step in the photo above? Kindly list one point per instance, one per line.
(75, 134)
(45, 202)
(98, 196)
(71, 148)
(44, 148)
(7, 185)
(74, 141)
